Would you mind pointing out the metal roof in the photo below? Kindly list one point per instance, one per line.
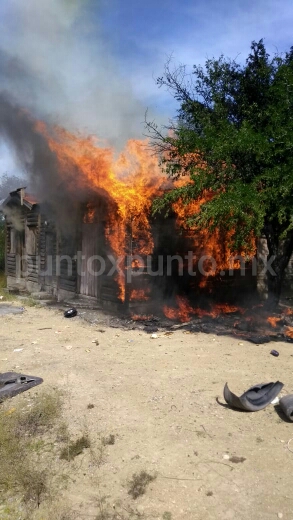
(28, 200)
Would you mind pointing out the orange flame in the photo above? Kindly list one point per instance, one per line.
(141, 317)
(90, 214)
(289, 332)
(139, 294)
(212, 245)
(185, 311)
(288, 312)
(131, 181)
(272, 320)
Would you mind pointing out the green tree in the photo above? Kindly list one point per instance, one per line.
(233, 136)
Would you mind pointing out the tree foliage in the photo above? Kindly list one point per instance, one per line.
(234, 137)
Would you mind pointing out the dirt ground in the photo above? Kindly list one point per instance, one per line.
(158, 398)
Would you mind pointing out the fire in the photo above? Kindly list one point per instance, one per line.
(130, 181)
(289, 332)
(224, 308)
(215, 247)
(185, 311)
(272, 320)
(288, 312)
(141, 317)
(139, 294)
(210, 244)
(90, 214)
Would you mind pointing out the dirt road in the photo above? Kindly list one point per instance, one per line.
(158, 398)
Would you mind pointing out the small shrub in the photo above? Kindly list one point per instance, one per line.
(27, 451)
(30, 302)
(34, 484)
(43, 413)
(139, 483)
(75, 448)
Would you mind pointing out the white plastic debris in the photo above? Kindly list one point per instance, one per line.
(275, 401)
(18, 350)
(154, 336)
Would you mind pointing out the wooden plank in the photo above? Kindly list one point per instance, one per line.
(89, 282)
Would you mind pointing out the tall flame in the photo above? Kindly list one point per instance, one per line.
(131, 181)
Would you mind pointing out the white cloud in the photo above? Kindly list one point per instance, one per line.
(212, 28)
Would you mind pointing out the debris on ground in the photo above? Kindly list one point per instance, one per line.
(255, 398)
(12, 383)
(286, 405)
(71, 313)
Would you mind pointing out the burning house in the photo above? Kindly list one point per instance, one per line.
(88, 229)
(90, 233)
(128, 264)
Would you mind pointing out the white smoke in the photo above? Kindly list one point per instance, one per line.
(55, 62)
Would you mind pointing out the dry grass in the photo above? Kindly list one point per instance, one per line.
(42, 415)
(27, 453)
(30, 302)
(33, 434)
(4, 295)
(117, 511)
(73, 449)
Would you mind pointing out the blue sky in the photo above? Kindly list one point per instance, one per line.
(143, 34)
(92, 64)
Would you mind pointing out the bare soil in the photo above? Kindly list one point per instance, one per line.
(156, 399)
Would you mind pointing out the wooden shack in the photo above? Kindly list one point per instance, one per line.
(41, 257)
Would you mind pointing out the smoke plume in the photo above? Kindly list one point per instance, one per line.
(56, 66)
(55, 62)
